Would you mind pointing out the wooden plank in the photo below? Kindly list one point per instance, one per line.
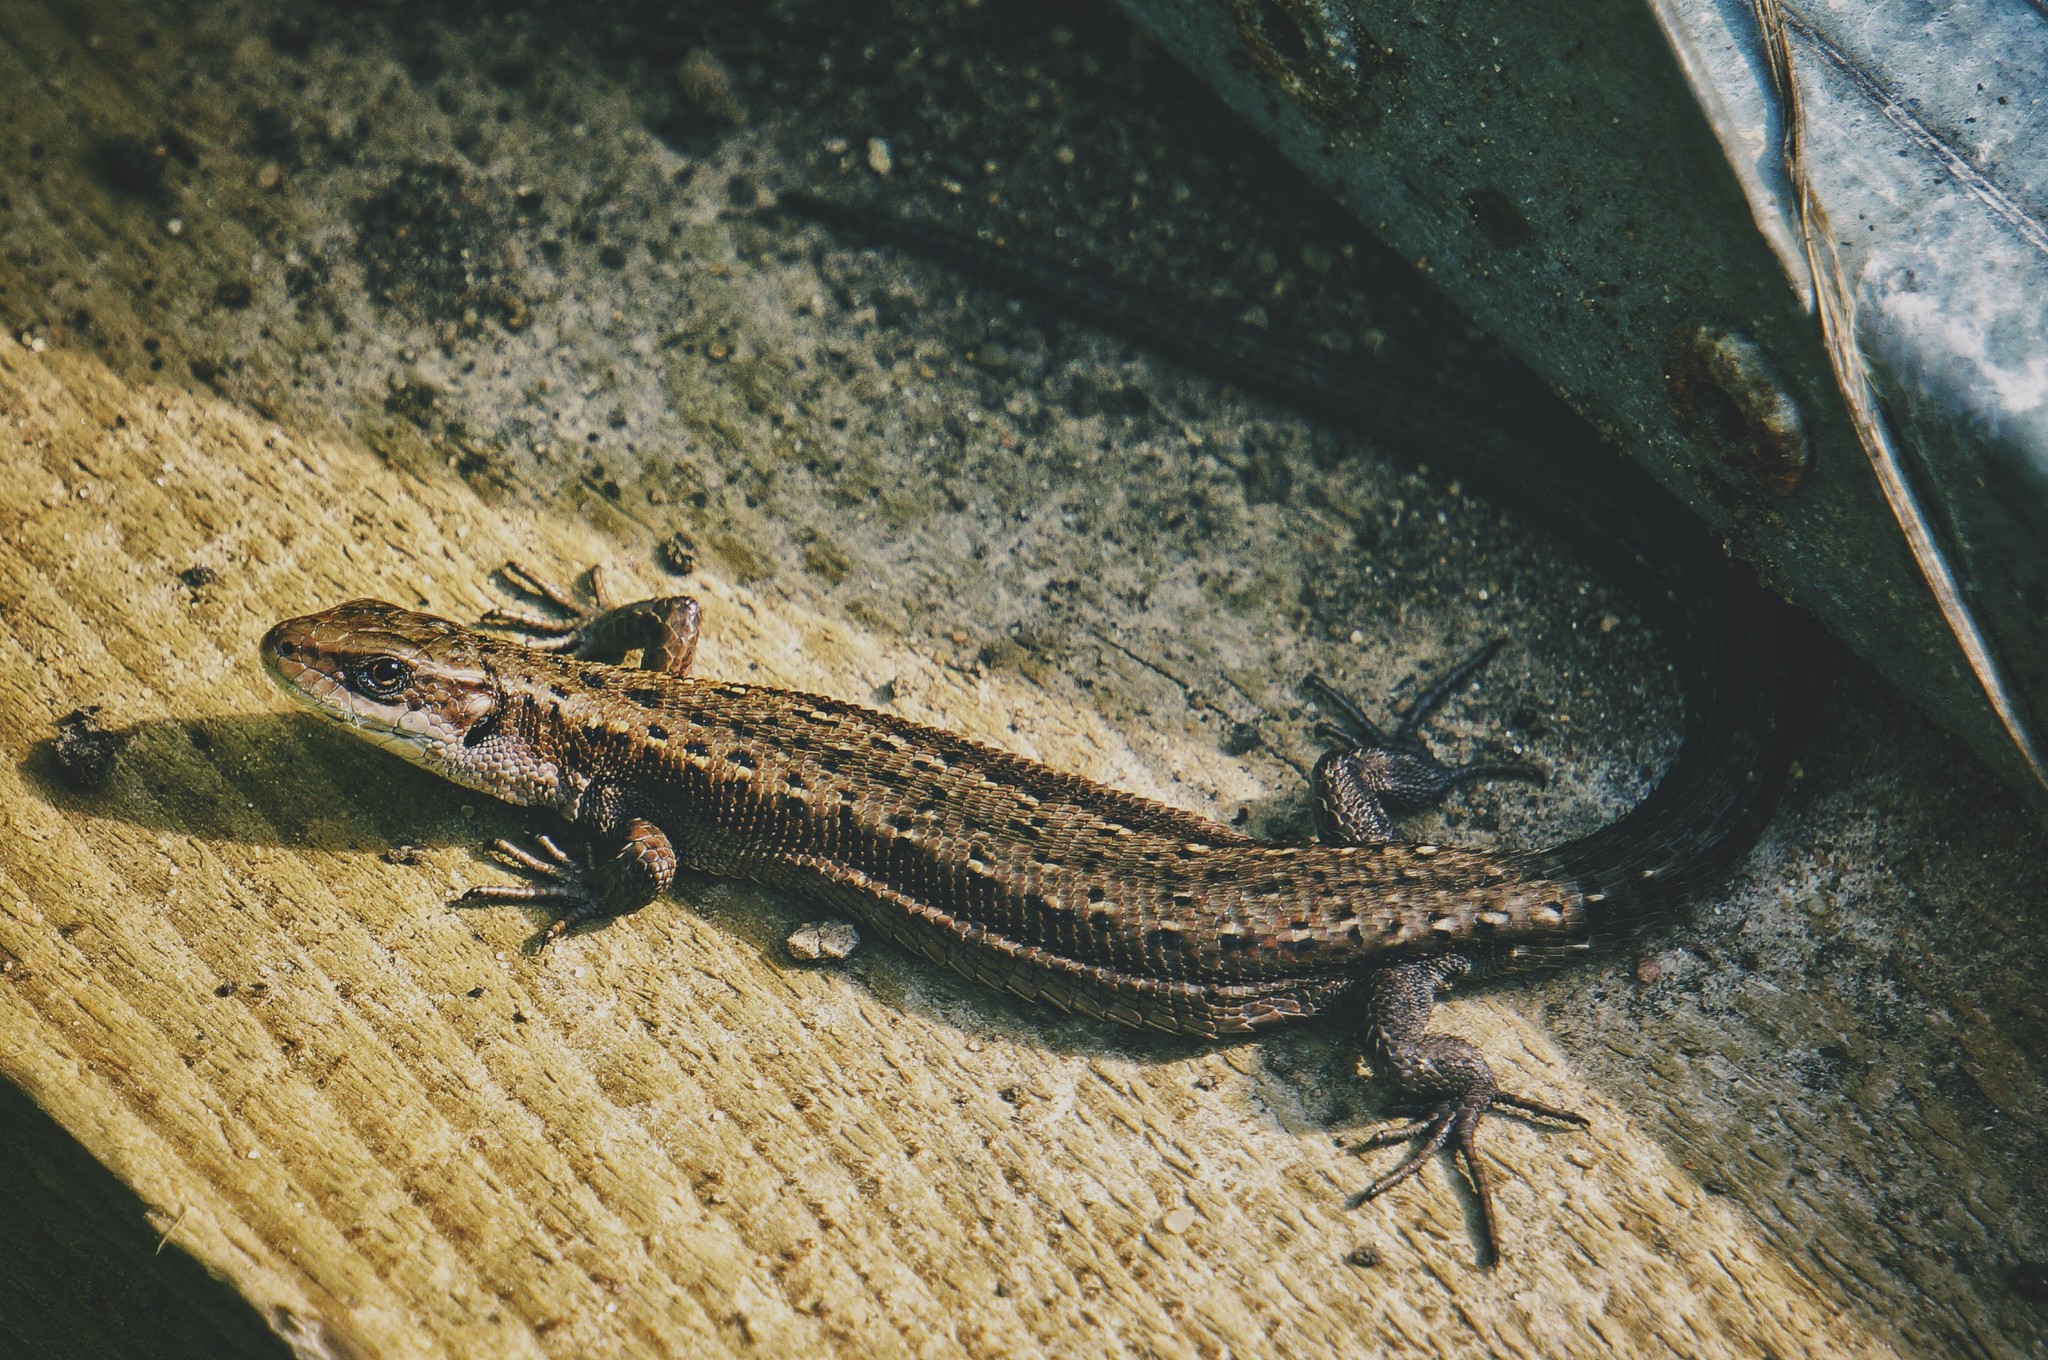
(395, 1135)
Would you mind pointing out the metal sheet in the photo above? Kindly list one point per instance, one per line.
(1792, 260)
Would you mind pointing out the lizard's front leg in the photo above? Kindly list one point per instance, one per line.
(630, 861)
(624, 871)
(1359, 784)
(663, 630)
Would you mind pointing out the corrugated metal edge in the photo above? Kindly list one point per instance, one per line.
(1767, 188)
(1837, 306)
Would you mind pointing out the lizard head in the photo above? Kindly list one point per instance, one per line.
(414, 684)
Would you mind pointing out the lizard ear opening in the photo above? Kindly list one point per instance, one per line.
(483, 728)
(488, 722)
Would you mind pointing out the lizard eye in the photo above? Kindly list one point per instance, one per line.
(382, 676)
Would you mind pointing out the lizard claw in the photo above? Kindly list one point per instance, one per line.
(604, 627)
(1455, 1123)
(1401, 760)
(1444, 1075)
(552, 617)
(564, 880)
(1367, 774)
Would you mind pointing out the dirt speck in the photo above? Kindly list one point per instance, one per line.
(85, 750)
(135, 166)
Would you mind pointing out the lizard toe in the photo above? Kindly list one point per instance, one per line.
(564, 883)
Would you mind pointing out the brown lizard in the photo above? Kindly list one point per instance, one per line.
(1044, 884)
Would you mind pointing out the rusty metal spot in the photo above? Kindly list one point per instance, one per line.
(1730, 404)
(1313, 52)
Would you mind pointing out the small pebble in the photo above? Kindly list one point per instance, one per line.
(818, 940)
(707, 83)
(880, 159)
(1365, 1258)
(269, 176)
(1179, 1221)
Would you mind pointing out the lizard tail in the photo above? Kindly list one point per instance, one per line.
(1722, 628)
(1713, 801)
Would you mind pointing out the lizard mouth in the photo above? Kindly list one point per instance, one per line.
(283, 654)
(304, 671)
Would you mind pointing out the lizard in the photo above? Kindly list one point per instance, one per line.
(1045, 884)
(1064, 891)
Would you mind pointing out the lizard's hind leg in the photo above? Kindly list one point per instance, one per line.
(1369, 776)
(1446, 1074)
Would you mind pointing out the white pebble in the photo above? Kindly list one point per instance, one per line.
(816, 940)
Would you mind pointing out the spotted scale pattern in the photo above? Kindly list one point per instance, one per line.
(1045, 884)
